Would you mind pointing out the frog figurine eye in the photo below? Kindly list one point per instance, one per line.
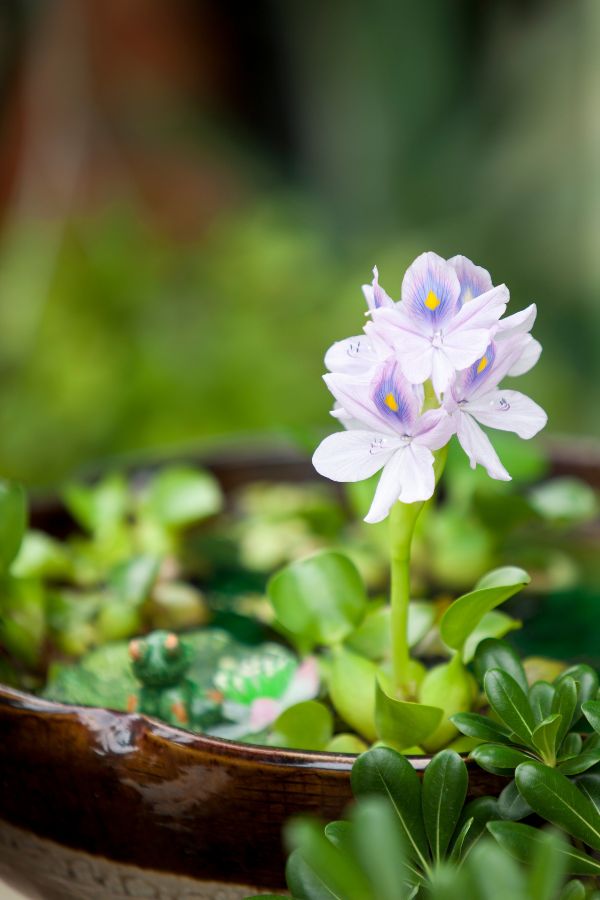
(172, 645)
(137, 650)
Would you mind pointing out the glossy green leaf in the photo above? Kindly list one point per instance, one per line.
(479, 812)
(581, 763)
(303, 726)
(572, 746)
(384, 772)
(321, 598)
(541, 699)
(589, 784)
(498, 758)
(482, 727)
(510, 703)
(444, 791)
(496, 654)
(13, 521)
(177, 496)
(352, 681)
(586, 679)
(565, 704)
(522, 841)
(402, 722)
(591, 710)
(554, 797)
(465, 614)
(511, 805)
(544, 737)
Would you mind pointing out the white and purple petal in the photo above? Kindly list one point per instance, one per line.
(375, 295)
(474, 280)
(478, 448)
(407, 477)
(430, 291)
(353, 455)
(508, 411)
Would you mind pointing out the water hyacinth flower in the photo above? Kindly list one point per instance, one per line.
(440, 327)
(389, 432)
(475, 399)
(447, 332)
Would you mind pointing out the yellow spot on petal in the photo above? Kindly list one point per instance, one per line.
(432, 301)
(483, 364)
(391, 402)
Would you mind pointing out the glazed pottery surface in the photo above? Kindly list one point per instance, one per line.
(102, 804)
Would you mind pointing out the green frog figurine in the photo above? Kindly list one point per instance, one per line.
(161, 662)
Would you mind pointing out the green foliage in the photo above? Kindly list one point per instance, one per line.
(538, 722)
(304, 726)
(319, 599)
(465, 614)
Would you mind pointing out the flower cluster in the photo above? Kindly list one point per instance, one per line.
(425, 368)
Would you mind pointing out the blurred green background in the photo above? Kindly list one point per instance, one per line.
(192, 194)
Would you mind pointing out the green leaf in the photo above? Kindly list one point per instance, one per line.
(321, 598)
(572, 746)
(41, 556)
(495, 624)
(586, 679)
(511, 805)
(498, 759)
(303, 726)
(132, 580)
(495, 654)
(581, 763)
(379, 847)
(565, 704)
(13, 521)
(553, 796)
(178, 496)
(565, 500)
(591, 710)
(101, 507)
(346, 743)
(541, 698)
(510, 703)
(589, 784)
(317, 870)
(474, 725)
(352, 691)
(23, 621)
(465, 614)
(522, 840)
(402, 722)
(384, 772)
(445, 785)
(479, 812)
(547, 867)
(574, 890)
(451, 688)
(545, 735)
(340, 833)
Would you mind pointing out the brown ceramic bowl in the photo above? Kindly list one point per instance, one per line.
(100, 804)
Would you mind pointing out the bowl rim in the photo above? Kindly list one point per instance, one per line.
(236, 751)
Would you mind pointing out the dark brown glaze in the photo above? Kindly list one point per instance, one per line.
(134, 790)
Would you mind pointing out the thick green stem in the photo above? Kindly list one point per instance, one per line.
(403, 518)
